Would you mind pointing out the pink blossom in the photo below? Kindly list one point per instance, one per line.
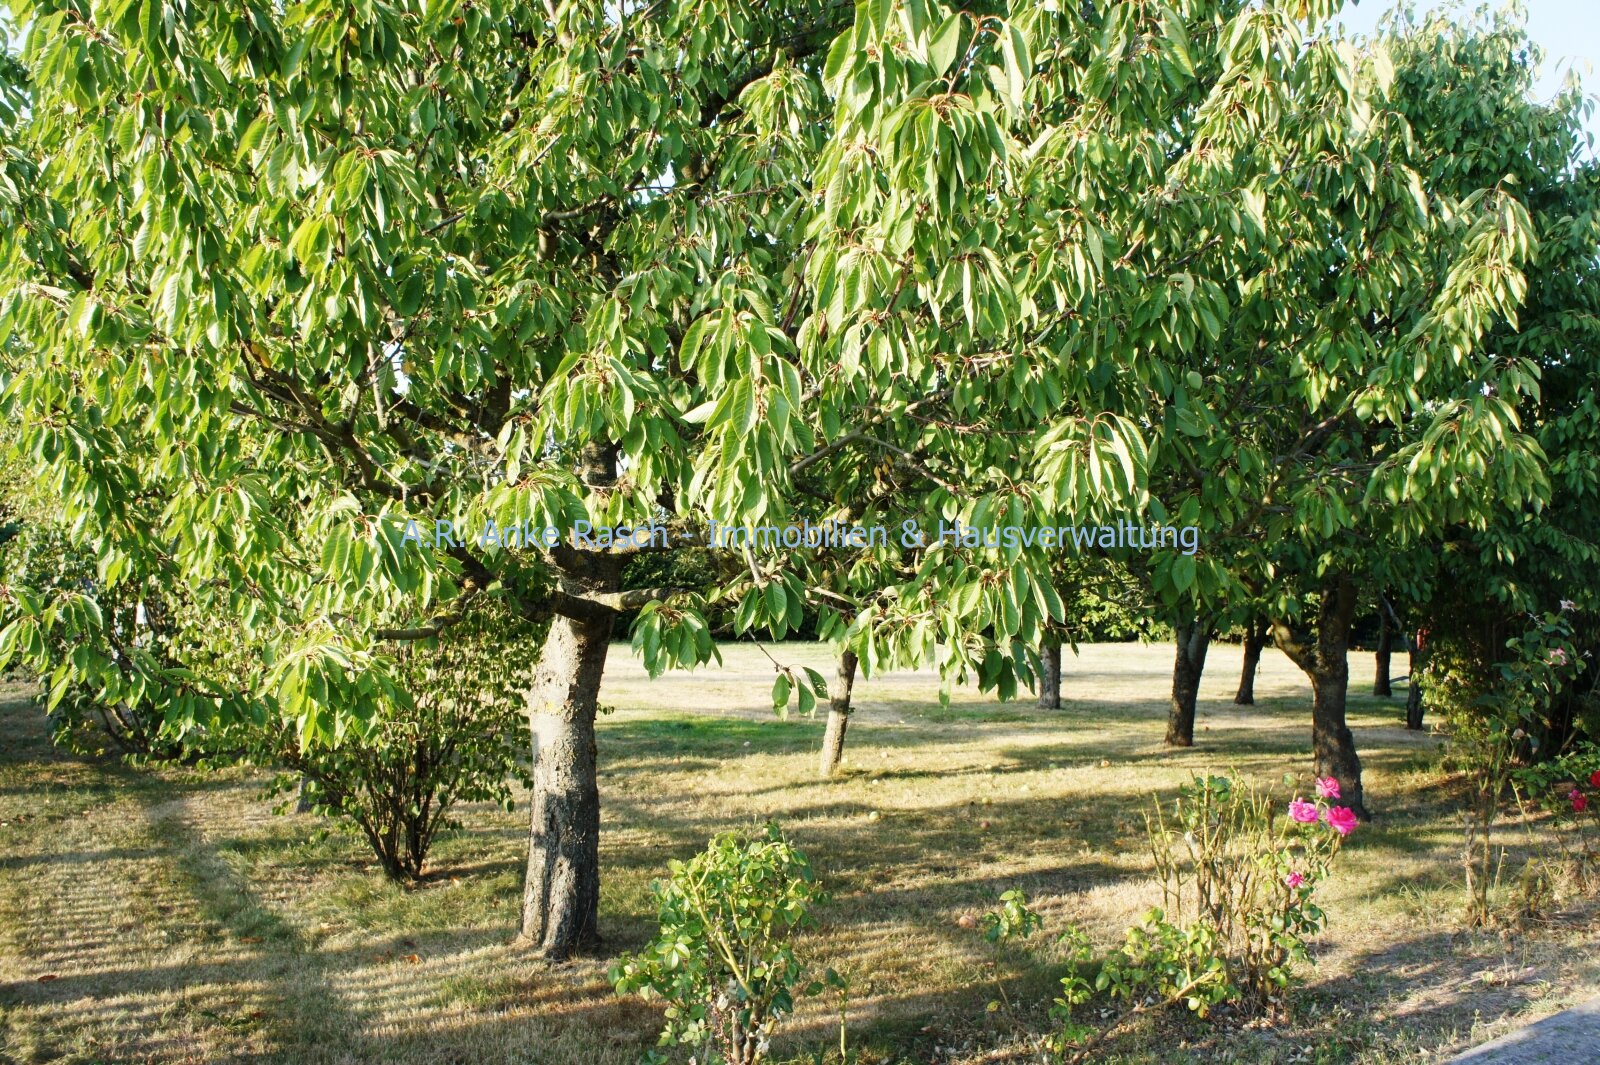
(1294, 880)
(1327, 788)
(1302, 811)
(1594, 779)
(1580, 801)
(1342, 820)
(1558, 657)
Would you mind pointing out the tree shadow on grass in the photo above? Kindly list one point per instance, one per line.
(1456, 979)
(160, 947)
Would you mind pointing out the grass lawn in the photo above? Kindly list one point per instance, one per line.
(172, 917)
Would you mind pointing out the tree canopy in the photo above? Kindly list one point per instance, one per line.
(282, 279)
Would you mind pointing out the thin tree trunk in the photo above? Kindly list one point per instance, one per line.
(561, 894)
(1194, 637)
(1255, 639)
(844, 678)
(1413, 687)
(1380, 681)
(1050, 673)
(1326, 661)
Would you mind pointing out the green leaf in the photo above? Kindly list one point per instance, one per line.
(945, 45)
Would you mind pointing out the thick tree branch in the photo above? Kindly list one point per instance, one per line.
(592, 605)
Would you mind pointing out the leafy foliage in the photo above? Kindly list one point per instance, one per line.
(1229, 859)
(282, 281)
(332, 269)
(83, 623)
(1159, 964)
(723, 960)
(1568, 789)
(458, 737)
(1497, 722)
(1527, 557)
(1238, 879)
(1013, 920)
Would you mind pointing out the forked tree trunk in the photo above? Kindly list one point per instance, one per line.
(561, 894)
(1050, 673)
(1325, 659)
(1380, 681)
(844, 678)
(1255, 638)
(1194, 637)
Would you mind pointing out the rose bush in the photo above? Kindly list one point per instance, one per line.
(1239, 882)
(1565, 789)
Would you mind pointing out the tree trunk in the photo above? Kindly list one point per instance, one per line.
(1326, 661)
(1194, 637)
(1050, 673)
(561, 892)
(1255, 638)
(1380, 681)
(561, 895)
(1413, 688)
(844, 678)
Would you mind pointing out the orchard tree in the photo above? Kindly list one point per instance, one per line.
(285, 278)
(1347, 408)
(1540, 556)
(1383, 653)
(1273, 279)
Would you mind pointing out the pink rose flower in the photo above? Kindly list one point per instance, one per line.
(1327, 788)
(1580, 801)
(1342, 820)
(1594, 779)
(1302, 811)
(1294, 880)
(1558, 657)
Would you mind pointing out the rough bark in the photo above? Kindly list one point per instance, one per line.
(1381, 685)
(1325, 659)
(1050, 674)
(561, 894)
(1193, 639)
(844, 678)
(1255, 639)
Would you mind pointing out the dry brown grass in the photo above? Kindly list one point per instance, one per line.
(172, 917)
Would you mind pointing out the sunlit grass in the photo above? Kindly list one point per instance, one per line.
(178, 919)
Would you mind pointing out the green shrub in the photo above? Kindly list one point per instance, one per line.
(452, 731)
(1497, 723)
(459, 737)
(1158, 965)
(1013, 920)
(1492, 681)
(723, 961)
